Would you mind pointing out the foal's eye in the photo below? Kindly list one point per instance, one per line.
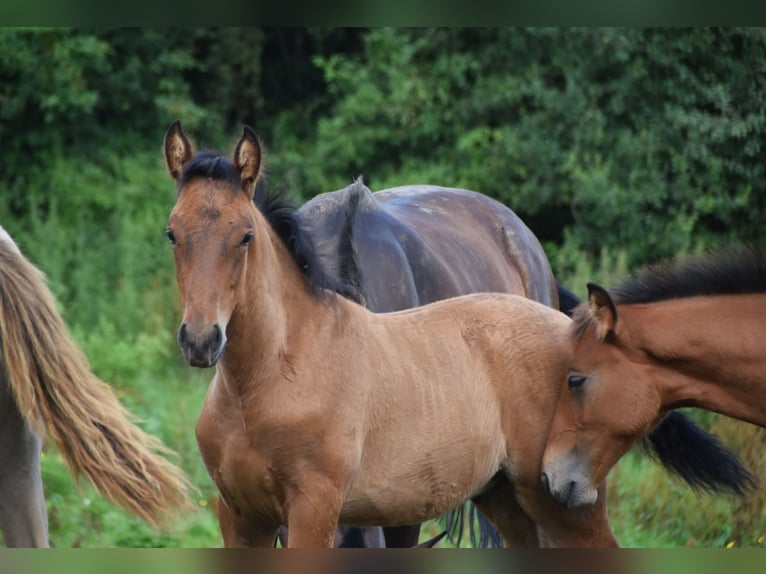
(576, 381)
(246, 239)
(171, 236)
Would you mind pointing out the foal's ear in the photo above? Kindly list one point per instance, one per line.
(247, 159)
(603, 309)
(178, 150)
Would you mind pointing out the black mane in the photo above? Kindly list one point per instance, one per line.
(686, 450)
(730, 271)
(279, 210)
(735, 270)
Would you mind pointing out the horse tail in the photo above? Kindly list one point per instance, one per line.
(454, 524)
(55, 390)
(481, 532)
(489, 537)
(696, 456)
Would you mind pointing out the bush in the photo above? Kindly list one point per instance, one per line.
(649, 140)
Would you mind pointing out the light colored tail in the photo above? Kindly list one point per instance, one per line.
(55, 390)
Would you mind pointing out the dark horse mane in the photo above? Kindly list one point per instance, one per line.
(734, 270)
(279, 210)
(682, 447)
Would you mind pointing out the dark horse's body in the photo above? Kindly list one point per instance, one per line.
(412, 245)
(409, 246)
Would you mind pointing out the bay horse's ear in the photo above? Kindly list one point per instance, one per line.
(247, 160)
(178, 150)
(603, 309)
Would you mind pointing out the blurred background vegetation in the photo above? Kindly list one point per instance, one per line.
(617, 147)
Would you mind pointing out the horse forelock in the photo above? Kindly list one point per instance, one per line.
(582, 318)
(279, 210)
(210, 165)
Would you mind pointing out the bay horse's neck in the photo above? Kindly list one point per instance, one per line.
(275, 315)
(710, 352)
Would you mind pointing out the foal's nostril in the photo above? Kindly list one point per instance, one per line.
(546, 482)
(183, 337)
(216, 337)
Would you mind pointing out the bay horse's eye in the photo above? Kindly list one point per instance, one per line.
(171, 236)
(246, 239)
(576, 381)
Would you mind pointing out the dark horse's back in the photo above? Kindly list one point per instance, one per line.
(408, 246)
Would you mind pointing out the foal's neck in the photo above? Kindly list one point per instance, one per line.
(275, 317)
(710, 351)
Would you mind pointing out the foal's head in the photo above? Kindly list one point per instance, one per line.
(606, 407)
(211, 228)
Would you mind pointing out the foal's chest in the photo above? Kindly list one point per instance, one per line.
(240, 469)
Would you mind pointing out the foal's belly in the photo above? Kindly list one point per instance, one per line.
(432, 447)
(415, 488)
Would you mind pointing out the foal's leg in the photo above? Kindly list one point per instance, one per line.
(566, 528)
(238, 532)
(312, 513)
(312, 525)
(498, 503)
(563, 527)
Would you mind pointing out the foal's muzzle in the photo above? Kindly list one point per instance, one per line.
(201, 349)
(567, 480)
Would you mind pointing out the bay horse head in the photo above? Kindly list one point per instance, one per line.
(602, 412)
(617, 391)
(211, 228)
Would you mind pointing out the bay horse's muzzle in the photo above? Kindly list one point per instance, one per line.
(201, 349)
(567, 480)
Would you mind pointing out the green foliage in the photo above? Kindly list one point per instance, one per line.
(646, 139)
(96, 228)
